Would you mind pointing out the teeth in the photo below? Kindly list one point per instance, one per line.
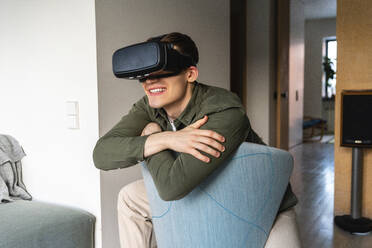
(156, 90)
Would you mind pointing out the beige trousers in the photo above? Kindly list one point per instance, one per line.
(134, 217)
(135, 225)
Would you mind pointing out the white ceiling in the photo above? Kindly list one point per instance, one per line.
(316, 9)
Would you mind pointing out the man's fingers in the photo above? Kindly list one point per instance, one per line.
(206, 141)
(200, 122)
(199, 156)
(211, 134)
(206, 149)
(211, 142)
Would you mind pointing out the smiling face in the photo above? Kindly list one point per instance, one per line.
(171, 93)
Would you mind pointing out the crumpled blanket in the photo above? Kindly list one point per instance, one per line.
(11, 182)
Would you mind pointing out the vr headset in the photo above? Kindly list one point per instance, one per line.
(138, 61)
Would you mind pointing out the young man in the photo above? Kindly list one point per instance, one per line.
(183, 129)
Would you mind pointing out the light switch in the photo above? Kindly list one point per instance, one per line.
(71, 108)
(71, 122)
(72, 114)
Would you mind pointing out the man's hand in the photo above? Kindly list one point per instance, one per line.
(192, 140)
(189, 140)
(151, 128)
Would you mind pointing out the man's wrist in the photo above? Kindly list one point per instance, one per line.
(162, 138)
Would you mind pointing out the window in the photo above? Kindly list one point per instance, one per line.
(329, 90)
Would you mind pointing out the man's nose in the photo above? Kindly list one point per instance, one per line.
(151, 80)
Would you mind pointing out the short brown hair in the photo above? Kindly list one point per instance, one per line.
(184, 44)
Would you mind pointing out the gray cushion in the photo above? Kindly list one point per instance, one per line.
(33, 224)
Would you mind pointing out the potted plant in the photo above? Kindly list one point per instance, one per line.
(329, 73)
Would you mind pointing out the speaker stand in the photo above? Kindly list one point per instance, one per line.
(355, 223)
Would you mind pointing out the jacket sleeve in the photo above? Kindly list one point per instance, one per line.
(123, 146)
(174, 177)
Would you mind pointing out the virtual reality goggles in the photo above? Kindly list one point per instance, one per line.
(138, 61)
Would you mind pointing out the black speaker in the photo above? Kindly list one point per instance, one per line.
(356, 132)
(356, 118)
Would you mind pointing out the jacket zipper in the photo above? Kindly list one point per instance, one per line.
(172, 125)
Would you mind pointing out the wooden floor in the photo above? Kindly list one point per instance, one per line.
(313, 183)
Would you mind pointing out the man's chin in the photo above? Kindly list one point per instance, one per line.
(156, 105)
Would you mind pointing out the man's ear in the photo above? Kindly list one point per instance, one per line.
(192, 74)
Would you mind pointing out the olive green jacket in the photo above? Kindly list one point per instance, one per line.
(177, 175)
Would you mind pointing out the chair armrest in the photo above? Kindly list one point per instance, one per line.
(233, 207)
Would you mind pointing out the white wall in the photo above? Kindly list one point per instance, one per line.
(315, 31)
(261, 69)
(296, 71)
(122, 22)
(48, 57)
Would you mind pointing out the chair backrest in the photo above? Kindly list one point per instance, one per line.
(234, 207)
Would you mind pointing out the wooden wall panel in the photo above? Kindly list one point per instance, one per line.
(354, 63)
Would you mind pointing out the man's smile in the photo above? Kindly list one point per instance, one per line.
(155, 91)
